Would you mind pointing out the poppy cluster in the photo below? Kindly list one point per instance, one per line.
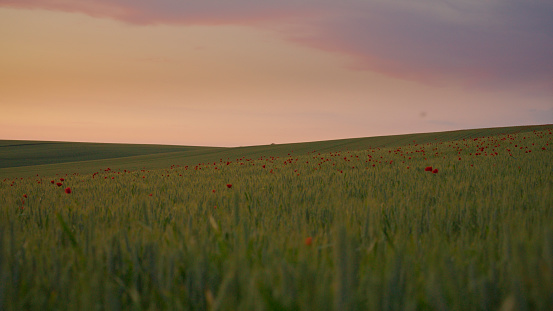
(342, 161)
(430, 169)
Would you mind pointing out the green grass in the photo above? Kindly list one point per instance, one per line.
(14, 153)
(476, 235)
(28, 158)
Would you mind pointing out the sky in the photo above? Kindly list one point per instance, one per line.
(245, 72)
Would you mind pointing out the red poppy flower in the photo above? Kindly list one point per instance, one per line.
(213, 190)
(52, 181)
(308, 241)
(68, 190)
(428, 169)
(435, 171)
(62, 179)
(150, 195)
(24, 195)
(229, 185)
(59, 184)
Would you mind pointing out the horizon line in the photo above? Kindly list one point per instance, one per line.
(269, 144)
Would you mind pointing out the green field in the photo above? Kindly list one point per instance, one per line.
(27, 158)
(355, 224)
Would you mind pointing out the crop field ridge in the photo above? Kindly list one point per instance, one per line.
(459, 220)
(29, 153)
(26, 158)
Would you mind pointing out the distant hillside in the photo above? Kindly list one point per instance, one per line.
(26, 158)
(15, 153)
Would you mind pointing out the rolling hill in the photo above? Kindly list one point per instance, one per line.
(26, 158)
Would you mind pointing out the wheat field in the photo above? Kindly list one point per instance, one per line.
(323, 226)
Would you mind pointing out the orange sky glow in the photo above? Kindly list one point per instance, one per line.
(120, 71)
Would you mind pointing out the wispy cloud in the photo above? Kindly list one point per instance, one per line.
(479, 44)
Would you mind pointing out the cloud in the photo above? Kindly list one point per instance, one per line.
(476, 45)
(479, 44)
(145, 12)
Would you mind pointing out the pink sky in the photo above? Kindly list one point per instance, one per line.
(244, 72)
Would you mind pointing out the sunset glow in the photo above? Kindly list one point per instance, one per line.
(230, 73)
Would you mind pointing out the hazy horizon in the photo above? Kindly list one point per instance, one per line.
(282, 143)
(254, 73)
